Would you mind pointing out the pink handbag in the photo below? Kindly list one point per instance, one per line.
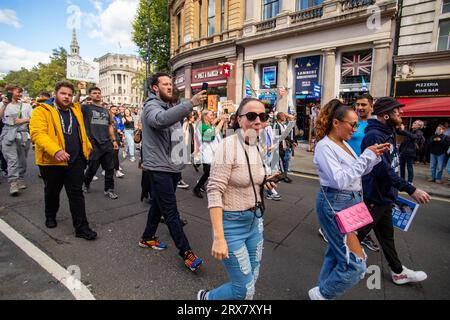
(352, 218)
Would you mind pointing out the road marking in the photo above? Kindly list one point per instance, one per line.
(307, 176)
(81, 292)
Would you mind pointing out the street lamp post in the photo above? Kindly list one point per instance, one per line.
(148, 69)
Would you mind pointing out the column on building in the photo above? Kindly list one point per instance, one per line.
(282, 81)
(329, 79)
(249, 74)
(379, 86)
(231, 80)
(187, 81)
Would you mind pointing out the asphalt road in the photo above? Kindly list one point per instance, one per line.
(115, 267)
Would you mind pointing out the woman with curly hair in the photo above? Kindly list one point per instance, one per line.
(340, 171)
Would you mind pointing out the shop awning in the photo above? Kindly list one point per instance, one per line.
(426, 107)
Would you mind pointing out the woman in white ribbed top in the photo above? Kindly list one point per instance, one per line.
(340, 171)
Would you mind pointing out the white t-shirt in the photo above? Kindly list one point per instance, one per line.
(12, 112)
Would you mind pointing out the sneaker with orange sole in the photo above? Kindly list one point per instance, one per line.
(191, 260)
(154, 243)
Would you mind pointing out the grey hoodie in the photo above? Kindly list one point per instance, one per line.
(159, 122)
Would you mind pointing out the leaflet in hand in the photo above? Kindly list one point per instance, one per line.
(403, 213)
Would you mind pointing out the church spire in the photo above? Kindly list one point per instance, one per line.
(74, 47)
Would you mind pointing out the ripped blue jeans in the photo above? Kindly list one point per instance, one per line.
(244, 237)
(341, 269)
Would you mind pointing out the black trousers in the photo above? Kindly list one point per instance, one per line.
(163, 186)
(71, 177)
(204, 177)
(101, 155)
(116, 160)
(384, 231)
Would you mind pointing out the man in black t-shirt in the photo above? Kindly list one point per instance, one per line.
(101, 134)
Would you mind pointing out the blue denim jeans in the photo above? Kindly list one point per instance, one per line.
(408, 162)
(436, 166)
(244, 237)
(448, 166)
(341, 269)
(129, 138)
(286, 159)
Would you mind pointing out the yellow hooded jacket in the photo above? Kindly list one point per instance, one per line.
(47, 135)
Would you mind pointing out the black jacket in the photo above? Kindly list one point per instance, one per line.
(382, 184)
(440, 145)
(412, 143)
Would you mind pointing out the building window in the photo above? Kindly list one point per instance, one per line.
(306, 4)
(444, 35)
(269, 76)
(179, 29)
(446, 6)
(200, 20)
(270, 8)
(222, 15)
(211, 17)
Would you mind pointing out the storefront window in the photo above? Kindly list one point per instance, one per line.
(444, 35)
(270, 9)
(269, 75)
(222, 15)
(356, 67)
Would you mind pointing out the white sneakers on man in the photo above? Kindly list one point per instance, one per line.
(408, 276)
(119, 174)
(314, 294)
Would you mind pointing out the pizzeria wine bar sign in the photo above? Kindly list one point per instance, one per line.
(423, 88)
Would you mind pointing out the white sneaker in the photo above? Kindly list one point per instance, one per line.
(119, 174)
(95, 178)
(408, 276)
(133, 159)
(103, 173)
(124, 154)
(314, 294)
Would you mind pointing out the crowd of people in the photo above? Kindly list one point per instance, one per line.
(244, 155)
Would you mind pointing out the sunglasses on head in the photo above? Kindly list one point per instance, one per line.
(251, 116)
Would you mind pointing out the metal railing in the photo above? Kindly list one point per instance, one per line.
(308, 14)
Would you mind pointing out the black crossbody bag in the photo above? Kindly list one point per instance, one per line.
(258, 204)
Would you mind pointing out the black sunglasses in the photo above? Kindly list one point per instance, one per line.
(251, 116)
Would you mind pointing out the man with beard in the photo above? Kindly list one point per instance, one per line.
(100, 130)
(382, 184)
(62, 149)
(161, 121)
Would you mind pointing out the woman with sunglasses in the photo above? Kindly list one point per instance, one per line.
(340, 171)
(235, 204)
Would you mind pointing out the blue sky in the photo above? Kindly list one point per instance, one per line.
(29, 30)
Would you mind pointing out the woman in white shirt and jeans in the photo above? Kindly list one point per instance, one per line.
(340, 171)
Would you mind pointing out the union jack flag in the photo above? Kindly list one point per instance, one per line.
(356, 66)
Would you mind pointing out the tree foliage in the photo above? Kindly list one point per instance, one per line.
(159, 33)
(43, 76)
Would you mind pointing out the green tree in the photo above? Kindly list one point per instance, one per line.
(159, 34)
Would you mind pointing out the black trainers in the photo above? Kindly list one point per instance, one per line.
(110, 194)
(86, 233)
(50, 223)
(287, 179)
(370, 244)
(183, 221)
(86, 188)
(197, 193)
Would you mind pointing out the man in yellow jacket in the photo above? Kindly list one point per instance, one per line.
(62, 149)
